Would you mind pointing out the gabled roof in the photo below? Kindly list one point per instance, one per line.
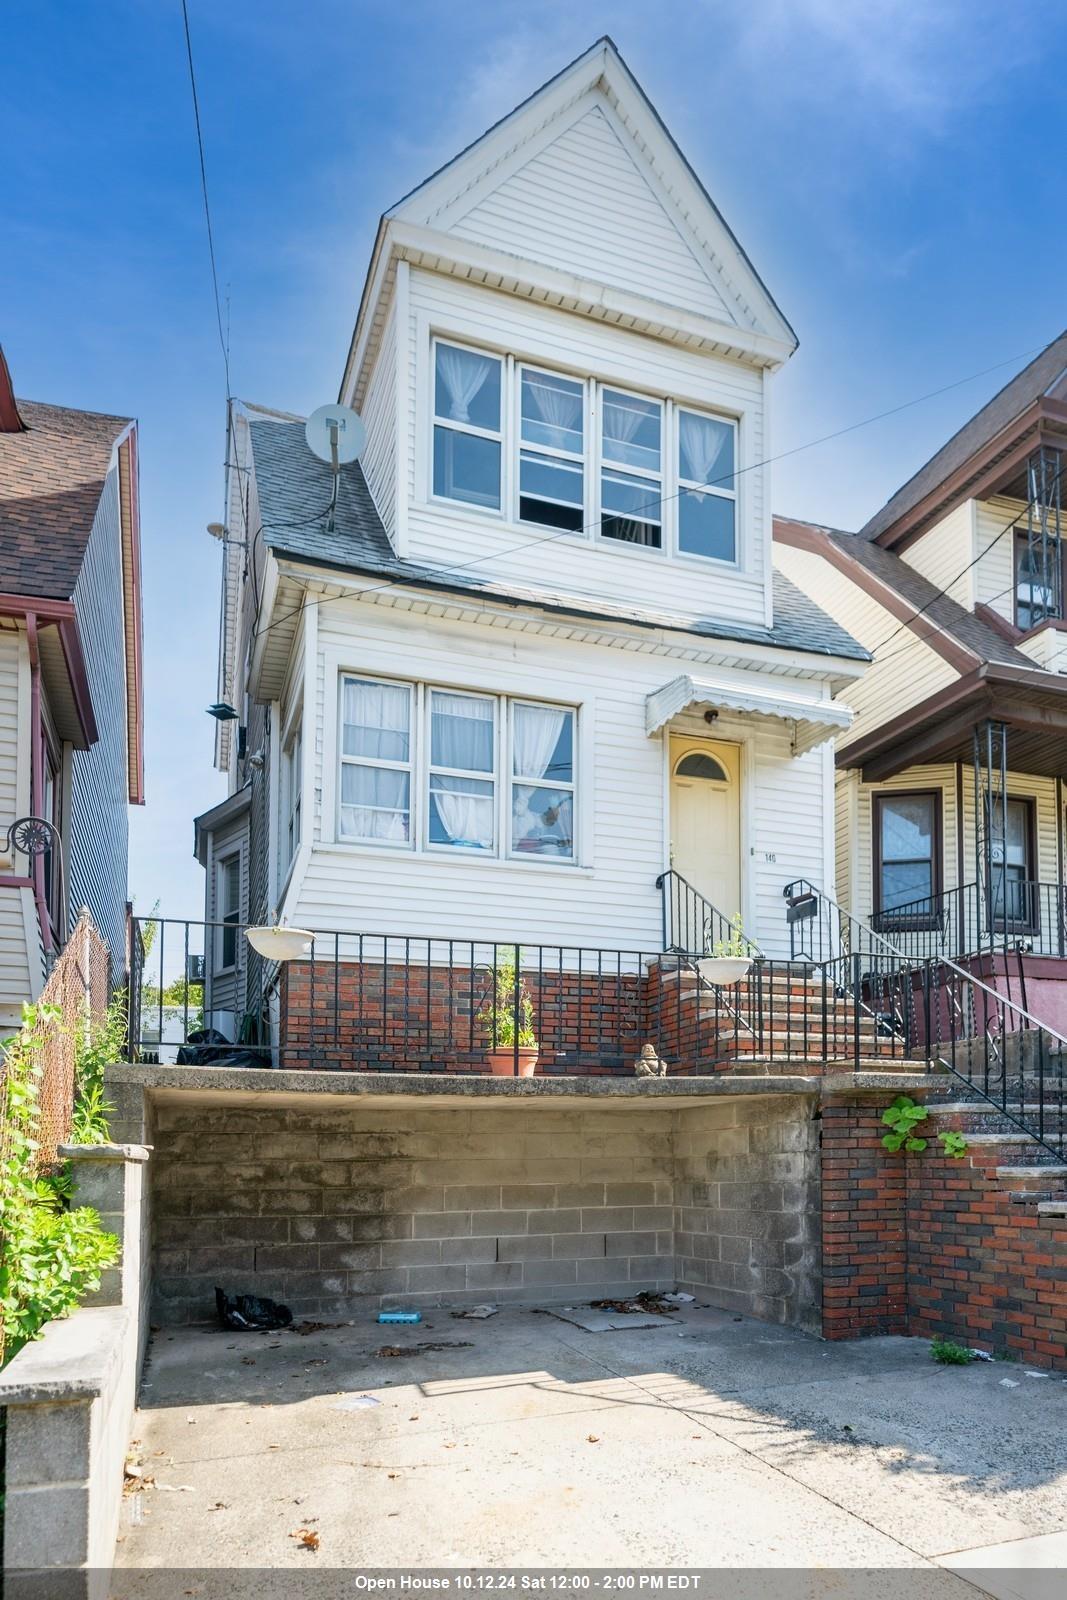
(934, 615)
(51, 478)
(294, 493)
(1040, 379)
(469, 216)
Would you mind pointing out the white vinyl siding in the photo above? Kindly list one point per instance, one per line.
(499, 546)
(378, 459)
(584, 205)
(609, 896)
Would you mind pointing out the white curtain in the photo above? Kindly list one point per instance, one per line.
(463, 373)
(559, 409)
(536, 733)
(462, 733)
(621, 422)
(374, 803)
(467, 817)
(377, 720)
(703, 444)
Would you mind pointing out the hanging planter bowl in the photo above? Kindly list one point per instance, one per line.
(724, 971)
(279, 943)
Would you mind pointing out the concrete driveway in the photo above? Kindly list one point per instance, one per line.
(707, 1441)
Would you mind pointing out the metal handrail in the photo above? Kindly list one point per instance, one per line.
(686, 911)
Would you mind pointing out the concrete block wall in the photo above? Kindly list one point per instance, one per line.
(747, 1215)
(318, 1203)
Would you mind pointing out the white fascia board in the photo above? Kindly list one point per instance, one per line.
(271, 578)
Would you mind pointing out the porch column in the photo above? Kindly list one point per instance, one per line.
(990, 823)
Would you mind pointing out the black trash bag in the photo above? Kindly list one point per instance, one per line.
(248, 1312)
(203, 1046)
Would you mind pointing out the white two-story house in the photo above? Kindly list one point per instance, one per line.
(537, 657)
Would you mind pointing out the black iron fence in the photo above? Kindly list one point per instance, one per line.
(692, 925)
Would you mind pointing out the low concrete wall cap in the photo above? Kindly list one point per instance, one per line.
(104, 1152)
(72, 1360)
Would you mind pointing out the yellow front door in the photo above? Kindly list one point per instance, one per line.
(706, 819)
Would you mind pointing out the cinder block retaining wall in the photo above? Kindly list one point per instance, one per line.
(320, 1204)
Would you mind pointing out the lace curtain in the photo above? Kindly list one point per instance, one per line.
(536, 733)
(374, 803)
(704, 445)
(461, 736)
(559, 409)
(463, 373)
(377, 719)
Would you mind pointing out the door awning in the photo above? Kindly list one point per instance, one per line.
(812, 722)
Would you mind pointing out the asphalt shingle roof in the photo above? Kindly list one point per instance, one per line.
(51, 478)
(1029, 385)
(294, 495)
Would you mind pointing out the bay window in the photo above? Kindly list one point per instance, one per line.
(449, 770)
(707, 497)
(462, 763)
(376, 761)
(552, 449)
(631, 481)
(466, 429)
(542, 781)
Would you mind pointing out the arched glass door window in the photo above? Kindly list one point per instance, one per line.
(698, 764)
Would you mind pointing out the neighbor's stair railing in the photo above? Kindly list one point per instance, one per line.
(943, 1013)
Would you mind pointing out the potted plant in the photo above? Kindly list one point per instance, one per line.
(507, 1024)
(730, 959)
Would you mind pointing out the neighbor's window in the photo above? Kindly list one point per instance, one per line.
(552, 449)
(462, 805)
(1012, 880)
(376, 761)
(466, 431)
(1038, 581)
(228, 910)
(290, 792)
(631, 475)
(542, 780)
(707, 494)
(907, 853)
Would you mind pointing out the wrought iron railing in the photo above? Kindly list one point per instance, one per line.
(389, 1002)
(1022, 915)
(944, 1013)
(692, 925)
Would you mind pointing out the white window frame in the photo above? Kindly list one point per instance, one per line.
(380, 762)
(292, 795)
(679, 483)
(626, 470)
(498, 437)
(222, 916)
(513, 778)
(584, 459)
(429, 770)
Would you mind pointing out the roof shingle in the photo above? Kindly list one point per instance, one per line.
(51, 478)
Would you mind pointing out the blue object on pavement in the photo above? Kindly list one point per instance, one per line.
(400, 1316)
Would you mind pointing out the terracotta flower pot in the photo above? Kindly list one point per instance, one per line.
(502, 1061)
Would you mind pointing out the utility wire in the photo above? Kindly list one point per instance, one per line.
(223, 343)
(711, 483)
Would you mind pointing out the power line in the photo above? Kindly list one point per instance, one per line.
(223, 343)
(711, 483)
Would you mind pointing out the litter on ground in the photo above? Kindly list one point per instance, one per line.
(357, 1402)
(476, 1313)
(423, 1346)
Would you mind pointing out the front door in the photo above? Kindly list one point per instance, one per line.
(706, 819)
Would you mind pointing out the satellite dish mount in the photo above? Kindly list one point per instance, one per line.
(335, 434)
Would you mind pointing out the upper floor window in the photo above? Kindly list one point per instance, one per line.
(1038, 580)
(462, 763)
(466, 430)
(631, 479)
(707, 496)
(228, 909)
(376, 760)
(552, 449)
(583, 456)
(290, 799)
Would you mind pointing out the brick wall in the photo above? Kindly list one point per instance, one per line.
(926, 1245)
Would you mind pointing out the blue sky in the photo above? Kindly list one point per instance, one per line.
(892, 168)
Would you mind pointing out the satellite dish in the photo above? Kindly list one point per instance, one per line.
(335, 434)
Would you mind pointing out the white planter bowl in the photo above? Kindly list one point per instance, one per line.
(723, 971)
(280, 944)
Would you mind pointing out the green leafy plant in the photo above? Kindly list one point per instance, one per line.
(903, 1117)
(950, 1354)
(735, 943)
(51, 1255)
(98, 1044)
(497, 1017)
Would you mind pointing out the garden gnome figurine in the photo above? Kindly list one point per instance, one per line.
(649, 1064)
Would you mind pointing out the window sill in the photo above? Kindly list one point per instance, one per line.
(461, 858)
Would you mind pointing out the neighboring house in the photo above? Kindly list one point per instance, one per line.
(951, 823)
(539, 655)
(71, 748)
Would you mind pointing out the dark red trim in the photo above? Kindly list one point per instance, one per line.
(37, 775)
(10, 421)
(129, 486)
(7, 882)
(1000, 625)
(62, 614)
